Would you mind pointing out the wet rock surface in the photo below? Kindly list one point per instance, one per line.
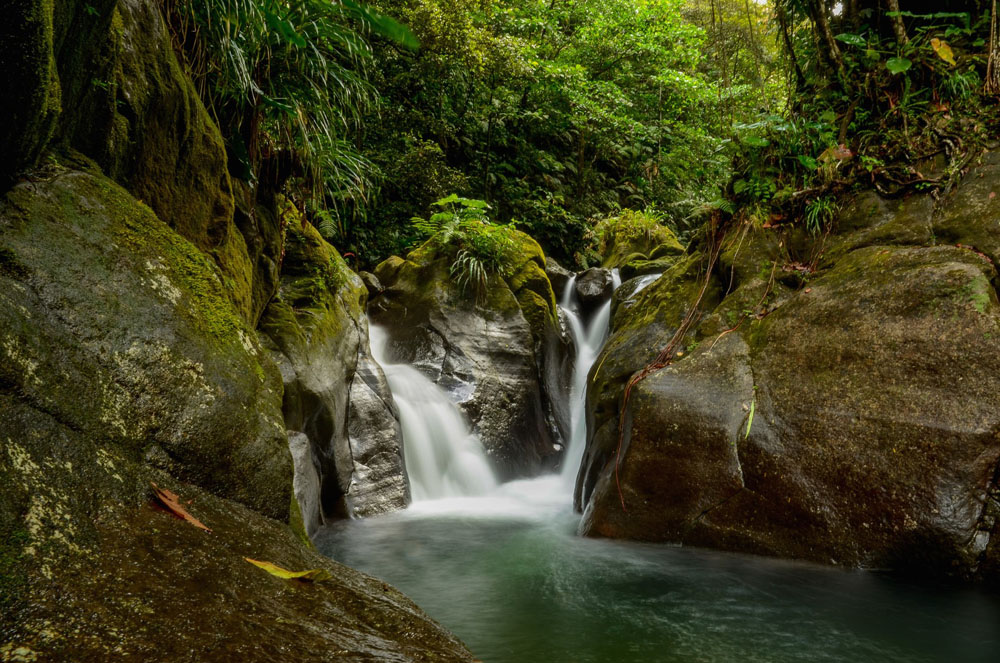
(122, 362)
(334, 392)
(594, 287)
(500, 359)
(850, 419)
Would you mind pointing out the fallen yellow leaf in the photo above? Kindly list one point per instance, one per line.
(312, 575)
(943, 50)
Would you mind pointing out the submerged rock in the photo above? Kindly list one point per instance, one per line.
(853, 419)
(334, 391)
(500, 359)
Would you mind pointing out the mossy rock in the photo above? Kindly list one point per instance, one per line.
(750, 253)
(110, 297)
(970, 215)
(638, 333)
(488, 348)
(870, 220)
(635, 233)
(122, 362)
(30, 99)
(533, 290)
(118, 577)
(335, 395)
(641, 267)
(873, 394)
(672, 247)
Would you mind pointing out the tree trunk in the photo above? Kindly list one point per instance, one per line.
(822, 23)
(800, 78)
(992, 86)
(897, 22)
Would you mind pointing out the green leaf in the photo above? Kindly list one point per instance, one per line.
(383, 25)
(753, 408)
(453, 198)
(284, 28)
(943, 50)
(472, 203)
(756, 141)
(808, 162)
(852, 39)
(312, 575)
(898, 65)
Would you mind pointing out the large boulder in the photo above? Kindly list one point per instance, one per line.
(120, 329)
(334, 392)
(559, 277)
(166, 150)
(850, 419)
(102, 78)
(501, 358)
(122, 363)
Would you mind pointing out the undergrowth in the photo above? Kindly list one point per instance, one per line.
(478, 248)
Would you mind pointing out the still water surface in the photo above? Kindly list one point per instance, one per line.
(507, 574)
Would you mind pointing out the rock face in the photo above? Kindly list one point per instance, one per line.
(854, 419)
(128, 356)
(558, 275)
(500, 359)
(101, 77)
(334, 392)
(101, 297)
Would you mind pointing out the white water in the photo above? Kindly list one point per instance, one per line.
(447, 467)
(443, 458)
(448, 470)
(588, 340)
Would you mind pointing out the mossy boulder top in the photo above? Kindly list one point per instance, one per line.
(636, 238)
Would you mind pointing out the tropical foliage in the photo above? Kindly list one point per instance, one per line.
(881, 97)
(560, 113)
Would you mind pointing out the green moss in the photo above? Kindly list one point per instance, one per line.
(10, 266)
(536, 311)
(13, 575)
(532, 278)
(298, 525)
(979, 293)
(30, 104)
(208, 307)
(633, 236)
(667, 299)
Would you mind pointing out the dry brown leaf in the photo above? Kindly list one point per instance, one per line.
(172, 503)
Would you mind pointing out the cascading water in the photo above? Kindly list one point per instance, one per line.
(443, 458)
(588, 340)
(502, 568)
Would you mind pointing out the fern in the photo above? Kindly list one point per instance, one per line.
(480, 248)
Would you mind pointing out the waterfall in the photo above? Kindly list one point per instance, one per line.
(589, 339)
(443, 458)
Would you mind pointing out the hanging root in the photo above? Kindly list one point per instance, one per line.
(666, 355)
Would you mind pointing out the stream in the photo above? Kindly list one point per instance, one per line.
(501, 566)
